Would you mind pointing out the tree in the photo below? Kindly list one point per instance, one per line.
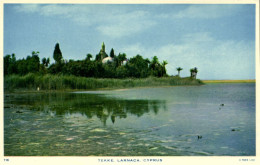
(164, 63)
(121, 58)
(57, 55)
(138, 67)
(155, 62)
(112, 53)
(156, 68)
(6, 64)
(22, 67)
(33, 62)
(34, 53)
(98, 57)
(89, 56)
(179, 70)
(193, 72)
(121, 72)
(10, 64)
(46, 62)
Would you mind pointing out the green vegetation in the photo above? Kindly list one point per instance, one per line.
(103, 66)
(113, 71)
(69, 82)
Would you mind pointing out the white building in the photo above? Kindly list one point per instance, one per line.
(107, 59)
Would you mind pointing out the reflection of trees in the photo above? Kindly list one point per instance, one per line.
(91, 105)
(106, 107)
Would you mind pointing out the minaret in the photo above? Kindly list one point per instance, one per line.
(103, 47)
(103, 51)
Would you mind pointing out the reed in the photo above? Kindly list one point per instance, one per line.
(69, 82)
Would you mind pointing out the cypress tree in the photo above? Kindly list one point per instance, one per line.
(112, 54)
(57, 55)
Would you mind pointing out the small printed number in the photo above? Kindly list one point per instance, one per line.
(6, 160)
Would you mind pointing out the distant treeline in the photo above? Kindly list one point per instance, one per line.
(103, 66)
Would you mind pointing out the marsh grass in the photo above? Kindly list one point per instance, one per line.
(69, 82)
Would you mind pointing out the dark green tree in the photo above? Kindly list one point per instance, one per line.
(121, 58)
(156, 68)
(89, 56)
(33, 62)
(98, 57)
(22, 66)
(138, 67)
(57, 55)
(155, 62)
(46, 61)
(193, 72)
(122, 72)
(112, 53)
(10, 64)
(164, 63)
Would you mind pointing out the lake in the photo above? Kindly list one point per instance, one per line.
(212, 119)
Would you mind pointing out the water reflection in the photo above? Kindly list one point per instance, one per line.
(68, 124)
(89, 105)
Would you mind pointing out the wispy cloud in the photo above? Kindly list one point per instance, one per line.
(214, 58)
(111, 21)
(118, 21)
(197, 37)
(205, 11)
(29, 8)
(49, 10)
(126, 24)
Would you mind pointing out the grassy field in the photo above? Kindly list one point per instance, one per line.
(229, 81)
(65, 82)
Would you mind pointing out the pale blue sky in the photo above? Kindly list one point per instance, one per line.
(217, 39)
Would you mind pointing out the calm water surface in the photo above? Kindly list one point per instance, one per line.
(161, 121)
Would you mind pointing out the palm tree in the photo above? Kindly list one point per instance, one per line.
(34, 53)
(195, 72)
(45, 61)
(163, 67)
(154, 66)
(179, 69)
(154, 62)
(191, 72)
(164, 63)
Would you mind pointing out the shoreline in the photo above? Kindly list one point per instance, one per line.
(228, 81)
(21, 91)
(33, 83)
